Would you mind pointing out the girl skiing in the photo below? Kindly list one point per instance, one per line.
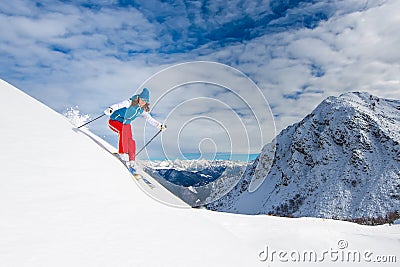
(121, 116)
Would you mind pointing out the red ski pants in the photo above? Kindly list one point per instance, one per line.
(126, 144)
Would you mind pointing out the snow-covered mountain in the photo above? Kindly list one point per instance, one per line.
(193, 172)
(340, 161)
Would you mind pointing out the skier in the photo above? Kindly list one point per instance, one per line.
(121, 116)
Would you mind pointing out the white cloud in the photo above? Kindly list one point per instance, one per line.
(351, 51)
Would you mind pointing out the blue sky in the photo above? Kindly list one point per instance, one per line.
(91, 54)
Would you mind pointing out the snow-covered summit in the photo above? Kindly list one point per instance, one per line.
(340, 161)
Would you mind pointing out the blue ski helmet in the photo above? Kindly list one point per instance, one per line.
(145, 95)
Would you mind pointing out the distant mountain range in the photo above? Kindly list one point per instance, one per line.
(197, 182)
(341, 161)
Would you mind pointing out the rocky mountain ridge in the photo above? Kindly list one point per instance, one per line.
(341, 161)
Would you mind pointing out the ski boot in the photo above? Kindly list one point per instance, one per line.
(131, 166)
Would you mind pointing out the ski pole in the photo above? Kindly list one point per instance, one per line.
(148, 142)
(91, 121)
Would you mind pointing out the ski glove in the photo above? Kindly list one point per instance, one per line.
(108, 111)
(162, 127)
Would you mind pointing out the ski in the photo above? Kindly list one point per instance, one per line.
(136, 176)
(148, 182)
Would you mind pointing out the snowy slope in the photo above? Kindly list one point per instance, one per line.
(342, 161)
(65, 201)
